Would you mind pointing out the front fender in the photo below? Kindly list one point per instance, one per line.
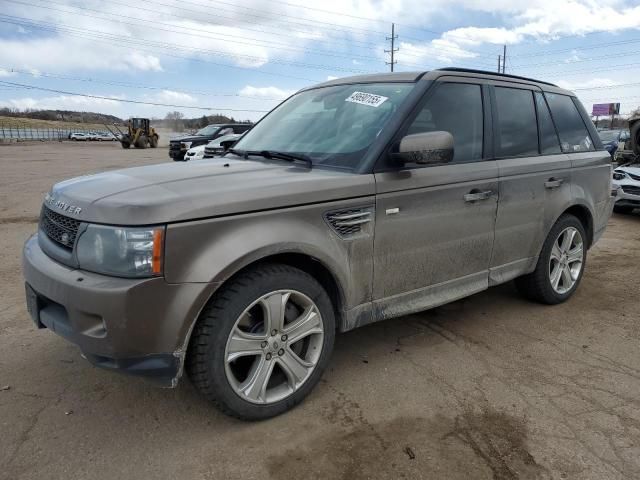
(212, 250)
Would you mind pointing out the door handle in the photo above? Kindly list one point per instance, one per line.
(475, 195)
(553, 182)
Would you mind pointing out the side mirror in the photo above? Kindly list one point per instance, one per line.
(227, 144)
(427, 148)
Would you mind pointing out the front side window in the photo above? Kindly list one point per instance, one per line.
(455, 108)
(517, 129)
(548, 137)
(332, 126)
(574, 136)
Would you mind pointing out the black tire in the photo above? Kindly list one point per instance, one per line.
(537, 286)
(153, 141)
(205, 362)
(141, 142)
(623, 209)
(125, 144)
(635, 138)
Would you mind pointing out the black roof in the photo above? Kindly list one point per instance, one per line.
(485, 72)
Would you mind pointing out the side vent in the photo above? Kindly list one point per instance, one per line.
(351, 222)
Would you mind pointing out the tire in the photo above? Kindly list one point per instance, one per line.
(238, 309)
(635, 134)
(153, 141)
(623, 209)
(537, 285)
(125, 144)
(141, 142)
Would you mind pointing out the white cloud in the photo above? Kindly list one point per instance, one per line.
(331, 77)
(265, 92)
(170, 96)
(63, 102)
(6, 73)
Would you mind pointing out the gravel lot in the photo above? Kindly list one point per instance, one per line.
(489, 387)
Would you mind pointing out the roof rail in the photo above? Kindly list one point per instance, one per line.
(485, 72)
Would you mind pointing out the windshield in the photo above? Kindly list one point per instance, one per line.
(332, 126)
(609, 135)
(208, 130)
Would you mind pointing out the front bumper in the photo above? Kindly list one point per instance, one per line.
(628, 194)
(137, 326)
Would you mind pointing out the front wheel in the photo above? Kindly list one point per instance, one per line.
(263, 342)
(560, 265)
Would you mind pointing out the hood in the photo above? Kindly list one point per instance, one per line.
(173, 192)
(193, 138)
(635, 171)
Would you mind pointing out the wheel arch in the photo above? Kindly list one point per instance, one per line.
(303, 261)
(582, 213)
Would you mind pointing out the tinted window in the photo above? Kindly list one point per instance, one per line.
(574, 136)
(455, 108)
(517, 129)
(548, 137)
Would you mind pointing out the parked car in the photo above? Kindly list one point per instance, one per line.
(178, 146)
(79, 136)
(212, 149)
(611, 139)
(104, 137)
(220, 145)
(626, 179)
(354, 201)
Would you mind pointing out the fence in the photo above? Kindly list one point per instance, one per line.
(43, 134)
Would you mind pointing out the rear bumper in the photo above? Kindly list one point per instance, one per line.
(136, 326)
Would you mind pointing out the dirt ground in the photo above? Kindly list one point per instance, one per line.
(492, 387)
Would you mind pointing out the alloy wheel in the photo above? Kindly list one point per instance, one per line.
(566, 260)
(274, 346)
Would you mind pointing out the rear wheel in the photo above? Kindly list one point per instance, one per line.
(623, 209)
(560, 265)
(263, 342)
(153, 141)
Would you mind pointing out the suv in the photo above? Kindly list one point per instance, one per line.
(178, 146)
(356, 200)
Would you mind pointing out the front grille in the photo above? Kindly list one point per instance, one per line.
(631, 189)
(210, 152)
(62, 230)
(349, 222)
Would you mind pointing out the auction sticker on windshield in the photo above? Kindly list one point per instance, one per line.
(366, 99)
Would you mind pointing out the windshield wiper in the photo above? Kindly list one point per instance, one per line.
(273, 154)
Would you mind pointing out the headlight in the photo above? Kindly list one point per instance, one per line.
(124, 252)
(186, 145)
(619, 175)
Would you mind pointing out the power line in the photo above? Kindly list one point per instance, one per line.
(128, 43)
(139, 102)
(137, 85)
(210, 36)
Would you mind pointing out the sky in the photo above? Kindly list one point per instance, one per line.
(242, 57)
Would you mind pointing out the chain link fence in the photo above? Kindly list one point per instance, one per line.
(21, 133)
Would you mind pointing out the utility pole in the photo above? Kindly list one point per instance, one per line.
(504, 58)
(499, 63)
(393, 49)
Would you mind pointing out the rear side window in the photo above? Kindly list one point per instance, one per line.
(517, 128)
(549, 142)
(455, 108)
(574, 136)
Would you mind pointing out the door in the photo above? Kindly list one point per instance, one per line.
(535, 178)
(435, 224)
